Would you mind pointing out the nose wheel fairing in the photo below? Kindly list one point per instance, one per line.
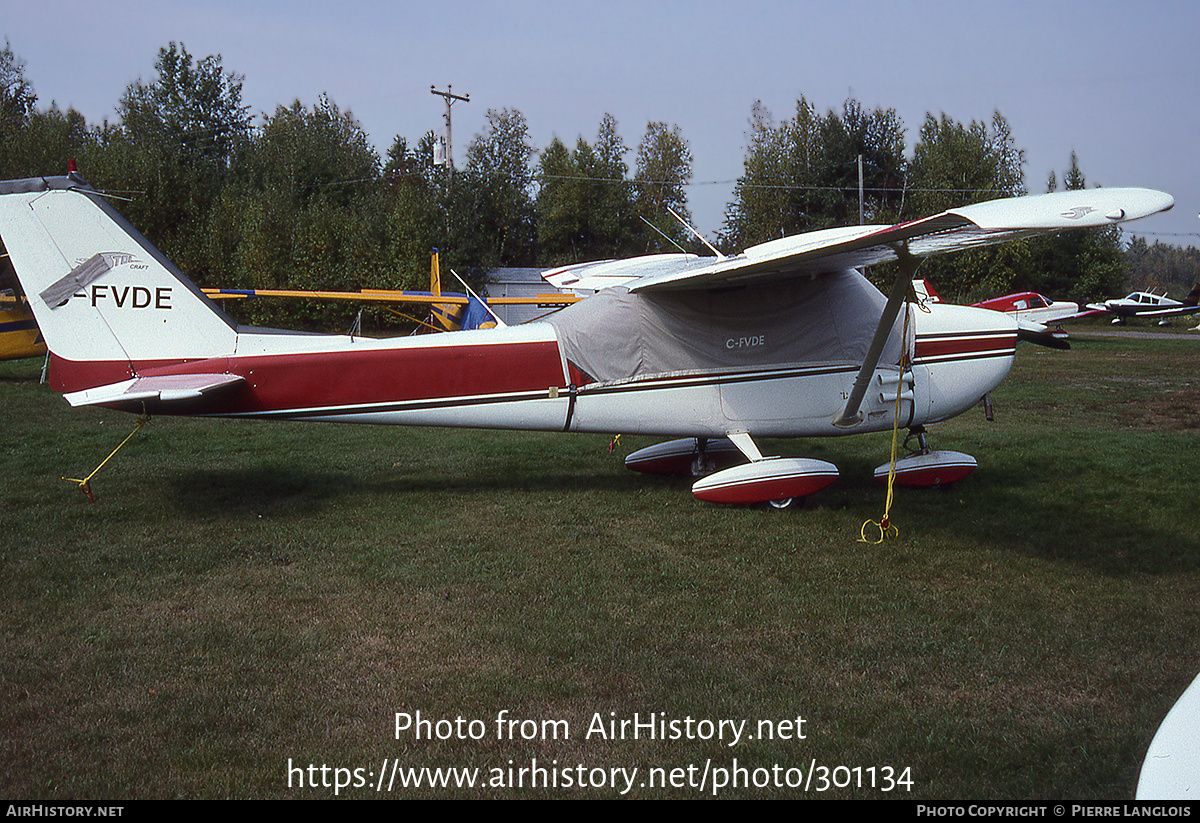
(924, 468)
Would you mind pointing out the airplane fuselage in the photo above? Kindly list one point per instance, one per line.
(1031, 307)
(1139, 303)
(519, 378)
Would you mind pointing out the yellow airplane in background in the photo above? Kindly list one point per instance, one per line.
(19, 334)
(448, 311)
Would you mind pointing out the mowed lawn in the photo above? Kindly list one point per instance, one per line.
(251, 609)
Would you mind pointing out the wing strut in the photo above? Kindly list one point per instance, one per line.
(851, 416)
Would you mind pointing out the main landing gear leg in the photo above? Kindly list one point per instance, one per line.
(922, 446)
(702, 465)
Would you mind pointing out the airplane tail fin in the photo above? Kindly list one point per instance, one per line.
(1193, 297)
(107, 301)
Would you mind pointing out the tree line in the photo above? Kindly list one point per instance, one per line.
(302, 200)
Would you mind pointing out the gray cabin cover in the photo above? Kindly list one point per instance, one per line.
(617, 336)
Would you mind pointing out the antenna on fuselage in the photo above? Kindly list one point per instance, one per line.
(692, 229)
(666, 236)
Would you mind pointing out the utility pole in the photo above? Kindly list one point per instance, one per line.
(860, 191)
(447, 149)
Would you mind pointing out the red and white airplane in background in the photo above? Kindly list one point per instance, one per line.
(1031, 307)
(786, 339)
(1033, 312)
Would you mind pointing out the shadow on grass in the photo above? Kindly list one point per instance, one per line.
(264, 489)
(1007, 505)
(283, 490)
(1004, 508)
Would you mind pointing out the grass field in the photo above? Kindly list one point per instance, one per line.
(246, 596)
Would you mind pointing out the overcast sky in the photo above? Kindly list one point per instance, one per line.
(1113, 81)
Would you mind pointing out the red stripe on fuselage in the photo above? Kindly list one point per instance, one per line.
(949, 346)
(283, 382)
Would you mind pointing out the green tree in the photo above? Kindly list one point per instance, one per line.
(490, 203)
(193, 109)
(664, 169)
(1162, 267)
(305, 208)
(954, 165)
(414, 210)
(560, 219)
(17, 99)
(585, 202)
(317, 153)
(802, 174)
(614, 223)
(175, 144)
(878, 139)
(36, 142)
(771, 196)
(46, 142)
(1085, 265)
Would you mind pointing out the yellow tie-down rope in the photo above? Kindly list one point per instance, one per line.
(85, 484)
(884, 524)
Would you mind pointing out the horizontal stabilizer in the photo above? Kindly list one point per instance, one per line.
(167, 388)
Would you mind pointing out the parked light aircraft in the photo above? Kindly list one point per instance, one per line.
(1033, 308)
(19, 335)
(786, 339)
(1033, 313)
(1147, 304)
(448, 311)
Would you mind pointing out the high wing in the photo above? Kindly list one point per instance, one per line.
(449, 311)
(364, 296)
(831, 250)
(601, 274)
(391, 296)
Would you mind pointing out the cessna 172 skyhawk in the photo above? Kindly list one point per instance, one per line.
(786, 339)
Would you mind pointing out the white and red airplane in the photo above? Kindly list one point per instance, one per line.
(1033, 312)
(786, 339)
(1033, 307)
